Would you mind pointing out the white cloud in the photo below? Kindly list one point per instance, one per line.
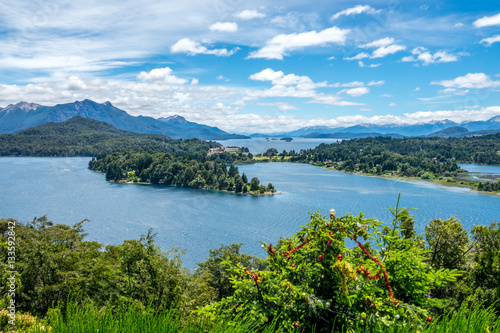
(224, 27)
(487, 21)
(358, 56)
(384, 47)
(458, 25)
(376, 83)
(417, 89)
(282, 106)
(378, 43)
(356, 92)
(365, 109)
(192, 47)
(392, 104)
(362, 64)
(422, 54)
(387, 50)
(469, 81)
(161, 75)
(249, 14)
(490, 40)
(279, 45)
(359, 9)
(385, 95)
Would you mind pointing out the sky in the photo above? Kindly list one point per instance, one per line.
(259, 66)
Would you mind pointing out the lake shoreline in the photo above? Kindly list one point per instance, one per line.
(124, 182)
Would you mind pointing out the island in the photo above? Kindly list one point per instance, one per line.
(287, 139)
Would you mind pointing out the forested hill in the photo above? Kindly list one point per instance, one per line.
(369, 152)
(81, 136)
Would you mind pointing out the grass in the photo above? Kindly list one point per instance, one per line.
(87, 318)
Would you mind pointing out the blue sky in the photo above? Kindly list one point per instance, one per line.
(260, 66)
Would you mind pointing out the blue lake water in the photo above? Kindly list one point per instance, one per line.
(260, 145)
(197, 220)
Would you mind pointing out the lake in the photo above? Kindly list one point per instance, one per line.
(197, 220)
(260, 145)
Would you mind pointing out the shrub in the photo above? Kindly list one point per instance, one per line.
(316, 280)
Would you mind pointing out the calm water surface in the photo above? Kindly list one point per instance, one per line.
(260, 145)
(196, 220)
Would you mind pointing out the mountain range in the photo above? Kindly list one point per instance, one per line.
(433, 128)
(16, 117)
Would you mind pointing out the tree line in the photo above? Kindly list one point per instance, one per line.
(206, 172)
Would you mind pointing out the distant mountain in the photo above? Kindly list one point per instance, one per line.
(391, 129)
(23, 115)
(348, 135)
(80, 136)
(461, 132)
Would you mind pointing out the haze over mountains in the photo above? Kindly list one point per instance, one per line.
(433, 128)
(16, 117)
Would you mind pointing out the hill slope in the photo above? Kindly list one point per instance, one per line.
(24, 115)
(80, 136)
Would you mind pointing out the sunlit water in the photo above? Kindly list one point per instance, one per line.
(197, 220)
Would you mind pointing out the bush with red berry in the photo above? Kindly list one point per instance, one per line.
(337, 273)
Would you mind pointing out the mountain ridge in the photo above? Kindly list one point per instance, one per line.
(23, 115)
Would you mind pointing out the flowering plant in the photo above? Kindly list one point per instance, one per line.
(337, 273)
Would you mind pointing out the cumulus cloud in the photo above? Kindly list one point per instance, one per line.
(224, 27)
(487, 21)
(192, 47)
(423, 55)
(299, 86)
(490, 40)
(161, 75)
(249, 14)
(280, 45)
(469, 81)
(356, 92)
(387, 50)
(383, 47)
(359, 9)
(376, 83)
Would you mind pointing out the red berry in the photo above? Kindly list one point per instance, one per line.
(293, 265)
(288, 257)
(307, 301)
(339, 256)
(329, 243)
(247, 271)
(320, 257)
(328, 225)
(296, 324)
(429, 319)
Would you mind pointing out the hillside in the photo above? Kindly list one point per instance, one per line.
(14, 118)
(81, 136)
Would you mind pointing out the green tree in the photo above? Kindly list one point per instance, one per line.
(244, 178)
(219, 276)
(448, 242)
(254, 184)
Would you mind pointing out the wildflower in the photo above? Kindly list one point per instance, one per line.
(397, 317)
(363, 315)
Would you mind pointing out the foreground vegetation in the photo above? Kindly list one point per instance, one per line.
(336, 274)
